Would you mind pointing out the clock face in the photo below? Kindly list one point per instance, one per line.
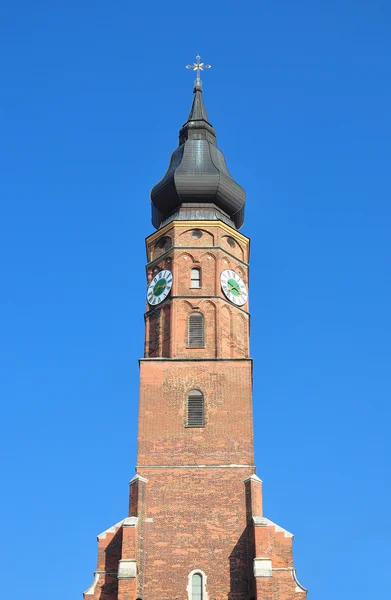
(160, 287)
(233, 287)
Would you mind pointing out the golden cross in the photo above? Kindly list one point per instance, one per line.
(198, 66)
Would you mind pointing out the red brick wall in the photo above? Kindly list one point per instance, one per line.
(198, 522)
(164, 439)
(199, 515)
(226, 325)
(214, 234)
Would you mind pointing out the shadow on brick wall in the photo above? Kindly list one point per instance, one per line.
(240, 560)
(109, 590)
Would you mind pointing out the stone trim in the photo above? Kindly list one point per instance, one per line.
(264, 522)
(113, 529)
(253, 477)
(194, 467)
(262, 567)
(91, 589)
(200, 224)
(130, 522)
(189, 586)
(137, 477)
(299, 588)
(189, 360)
(127, 568)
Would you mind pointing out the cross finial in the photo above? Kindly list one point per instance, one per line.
(198, 66)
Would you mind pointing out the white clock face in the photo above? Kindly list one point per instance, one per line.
(233, 287)
(160, 287)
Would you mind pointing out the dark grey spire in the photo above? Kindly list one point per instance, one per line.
(197, 123)
(197, 185)
(198, 110)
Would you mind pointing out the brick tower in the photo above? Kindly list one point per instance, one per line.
(195, 528)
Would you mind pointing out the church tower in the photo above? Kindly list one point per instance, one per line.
(195, 528)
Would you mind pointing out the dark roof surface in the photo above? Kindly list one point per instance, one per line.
(198, 110)
(198, 176)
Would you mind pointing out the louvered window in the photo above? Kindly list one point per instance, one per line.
(196, 330)
(195, 281)
(195, 409)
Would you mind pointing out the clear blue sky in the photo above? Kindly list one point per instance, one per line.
(92, 97)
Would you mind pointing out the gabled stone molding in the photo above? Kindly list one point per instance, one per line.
(113, 529)
(263, 568)
(264, 522)
(299, 587)
(91, 589)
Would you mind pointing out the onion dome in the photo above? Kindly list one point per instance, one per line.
(197, 184)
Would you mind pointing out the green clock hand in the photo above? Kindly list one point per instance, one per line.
(237, 289)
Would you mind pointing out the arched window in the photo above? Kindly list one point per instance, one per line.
(195, 409)
(195, 280)
(195, 326)
(196, 588)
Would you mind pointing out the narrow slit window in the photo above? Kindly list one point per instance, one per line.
(196, 330)
(195, 281)
(195, 409)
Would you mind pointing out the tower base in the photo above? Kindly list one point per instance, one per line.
(136, 560)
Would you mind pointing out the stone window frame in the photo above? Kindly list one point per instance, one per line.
(189, 584)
